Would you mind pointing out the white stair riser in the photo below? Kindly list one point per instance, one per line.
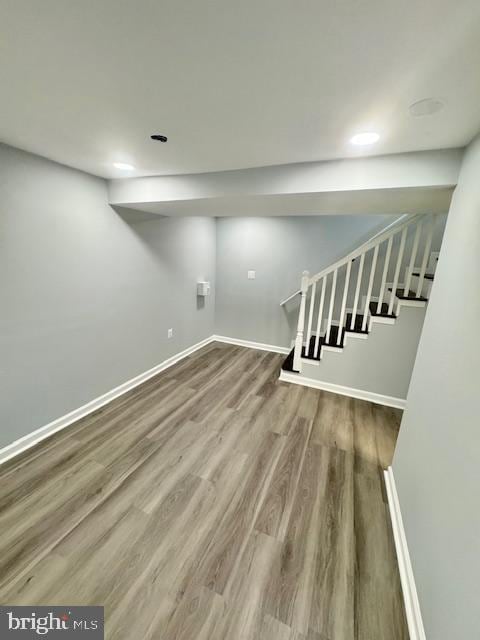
(426, 287)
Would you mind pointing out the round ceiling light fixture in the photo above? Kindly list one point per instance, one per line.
(367, 137)
(159, 137)
(426, 107)
(123, 166)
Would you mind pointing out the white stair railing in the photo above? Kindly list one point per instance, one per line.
(426, 253)
(297, 355)
(408, 231)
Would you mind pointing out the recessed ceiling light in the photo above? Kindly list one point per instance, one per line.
(367, 137)
(123, 166)
(426, 107)
(159, 137)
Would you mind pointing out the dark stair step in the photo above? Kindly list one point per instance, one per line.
(357, 328)
(411, 295)
(308, 353)
(288, 362)
(333, 337)
(427, 276)
(383, 313)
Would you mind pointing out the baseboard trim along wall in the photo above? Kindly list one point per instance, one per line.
(252, 345)
(49, 429)
(410, 596)
(361, 394)
(31, 439)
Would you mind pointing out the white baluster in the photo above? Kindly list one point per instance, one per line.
(384, 274)
(426, 253)
(310, 318)
(297, 352)
(330, 310)
(319, 317)
(369, 290)
(357, 291)
(397, 270)
(413, 257)
(344, 303)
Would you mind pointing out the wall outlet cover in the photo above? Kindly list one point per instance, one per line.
(170, 333)
(251, 275)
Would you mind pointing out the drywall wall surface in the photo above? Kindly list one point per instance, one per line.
(382, 363)
(403, 170)
(437, 461)
(87, 293)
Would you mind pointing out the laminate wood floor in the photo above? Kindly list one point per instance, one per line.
(212, 502)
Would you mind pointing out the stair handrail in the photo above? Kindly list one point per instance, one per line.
(306, 331)
(392, 229)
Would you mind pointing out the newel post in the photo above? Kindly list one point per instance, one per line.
(297, 353)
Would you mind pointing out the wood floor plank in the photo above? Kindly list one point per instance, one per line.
(246, 594)
(334, 422)
(274, 515)
(34, 524)
(211, 502)
(292, 583)
(219, 448)
(333, 599)
(149, 568)
(379, 611)
(224, 551)
(276, 412)
(387, 425)
(273, 629)
(364, 435)
(200, 615)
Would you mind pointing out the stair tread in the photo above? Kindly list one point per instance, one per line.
(334, 336)
(308, 353)
(357, 326)
(383, 313)
(288, 362)
(411, 295)
(427, 276)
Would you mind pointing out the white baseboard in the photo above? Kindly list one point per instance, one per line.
(377, 398)
(40, 434)
(410, 597)
(31, 439)
(252, 345)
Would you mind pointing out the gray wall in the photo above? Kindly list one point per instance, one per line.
(437, 461)
(87, 297)
(381, 364)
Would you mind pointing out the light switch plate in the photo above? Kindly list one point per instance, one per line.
(251, 275)
(170, 333)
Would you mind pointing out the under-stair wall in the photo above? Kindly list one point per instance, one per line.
(378, 368)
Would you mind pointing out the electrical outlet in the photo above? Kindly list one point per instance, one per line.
(170, 333)
(251, 275)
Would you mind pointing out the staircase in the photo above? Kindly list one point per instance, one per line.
(370, 285)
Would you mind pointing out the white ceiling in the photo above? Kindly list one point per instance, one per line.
(233, 83)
